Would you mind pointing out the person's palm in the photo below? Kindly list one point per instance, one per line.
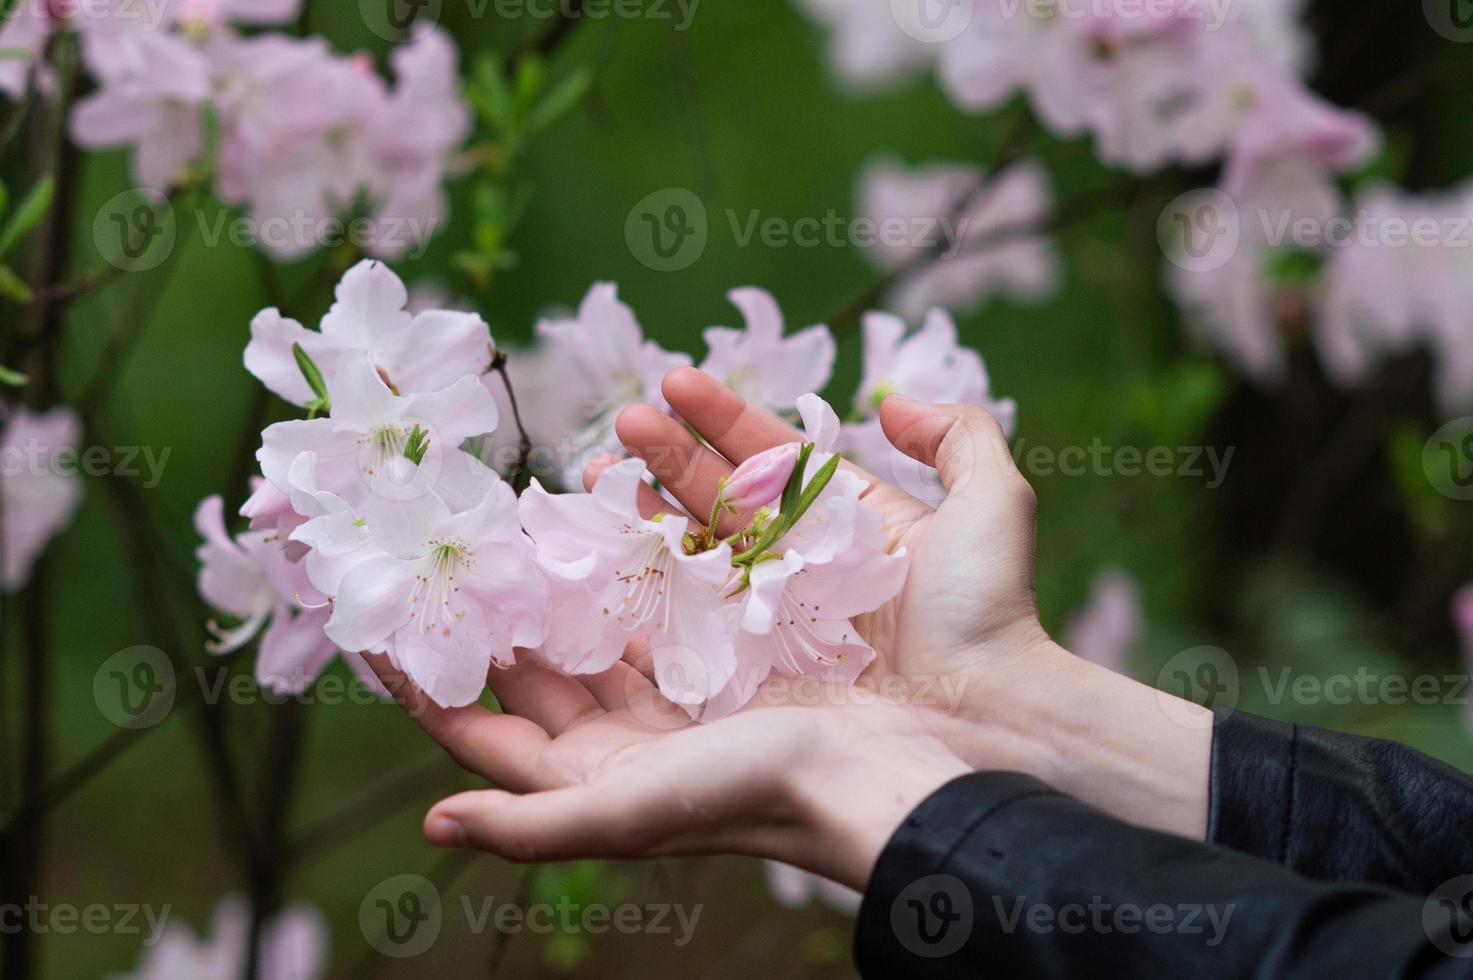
(970, 583)
(612, 768)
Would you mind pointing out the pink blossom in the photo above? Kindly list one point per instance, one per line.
(1108, 627)
(609, 365)
(794, 888)
(295, 122)
(616, 575)
(361, 446)
(1234, 310)
(929, 365)
(761, 479)
(293, 946)
(952, 207)
(1387, 294)
(423, 121)
(795, 612)
(443, 593)
(39, 494)
(1283, 157)
(868, 48)
(1145, 80)
(1463, 617)
(762, 365)
(251, 579)
(23, 37)
(413, 353)
(152, 98)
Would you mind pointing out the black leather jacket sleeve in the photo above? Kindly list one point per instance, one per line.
(1338, 807)
(996, 874)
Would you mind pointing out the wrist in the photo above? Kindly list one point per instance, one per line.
(1137, 753)
(849, 807)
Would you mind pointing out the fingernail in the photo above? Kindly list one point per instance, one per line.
(897, 396)
(443, 831)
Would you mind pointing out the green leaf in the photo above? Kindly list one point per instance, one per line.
(13, 286)
(315, 381)
(29, 213)
(815, 487)
(13, 379)
(560, 101)
(794, 489)
(490, 96)
(528, 86)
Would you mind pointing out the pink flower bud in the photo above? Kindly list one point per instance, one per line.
(761, 479)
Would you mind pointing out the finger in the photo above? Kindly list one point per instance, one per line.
(502, 748)
(737, 428)
(964, 443)
(613, 688)
(557, 825)
(638, 655)
(649, 501)
(554, 701)
(685, 467)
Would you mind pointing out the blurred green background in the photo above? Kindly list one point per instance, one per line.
(740, 110)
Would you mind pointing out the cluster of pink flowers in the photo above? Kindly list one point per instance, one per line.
(975, 225)
(307, 139)
(379, 526)
(1189, 82)
(1153, 83)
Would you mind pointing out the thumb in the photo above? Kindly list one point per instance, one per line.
(965, 443)
(553, 825)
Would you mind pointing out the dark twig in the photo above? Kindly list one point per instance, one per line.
(520, 473)
(1078, 208)
(570, 14)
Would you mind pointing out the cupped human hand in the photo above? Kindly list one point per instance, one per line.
(603, 766)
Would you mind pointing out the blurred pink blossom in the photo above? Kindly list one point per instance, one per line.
(39, 490)
(293, 946)
(954, 208)
(929, 365)
(608, 365)
(1107, 629)
(794, 888)
(762, 365)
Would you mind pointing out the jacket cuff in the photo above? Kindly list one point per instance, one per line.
(914, 913)
(1251, 805)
